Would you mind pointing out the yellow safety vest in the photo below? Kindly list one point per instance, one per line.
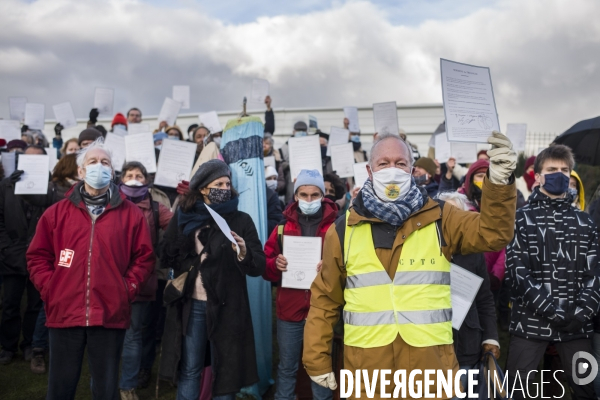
(416, 304)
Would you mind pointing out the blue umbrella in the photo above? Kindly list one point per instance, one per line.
(584, 139)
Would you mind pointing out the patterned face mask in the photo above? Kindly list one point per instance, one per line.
(217, 196)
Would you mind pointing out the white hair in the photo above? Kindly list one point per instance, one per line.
(96, 144)
(460, 199)
(384, 136)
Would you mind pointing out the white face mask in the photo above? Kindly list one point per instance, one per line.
(272, 184)
(391, 184)
(134, 182)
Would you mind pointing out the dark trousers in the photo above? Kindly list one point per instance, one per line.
(11, 325)
(524, 355)
(67, 346)
(150, 334)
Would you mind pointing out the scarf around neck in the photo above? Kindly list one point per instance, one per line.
(199, 216)
(393, 212)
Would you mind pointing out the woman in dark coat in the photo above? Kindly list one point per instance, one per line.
(215, 305)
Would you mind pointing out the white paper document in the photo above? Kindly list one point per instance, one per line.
(175, 162)
(352, 114)
(464, 153)
(360, 174)
(8, 162)
(385, 116)
(134, 129)
(36, 176)
(517, 133)
(464, 286)
(52, 158)
(469, 105)
(260, 90)
(182, 95)
(303, 255)
(337, 136)
(443, 150)
(10, 130)
(141, 148)
(64, 114)
(305, 153)
(270, 161)
(342, 160)
(211, 121)
(35, 115)
(103, 100)
(16, 107)
(169, 111)
(116, 144)
(223, 227)
(313, 123)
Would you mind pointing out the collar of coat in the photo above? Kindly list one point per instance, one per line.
(538, 197)
(74, 196)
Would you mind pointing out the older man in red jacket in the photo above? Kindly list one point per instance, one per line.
(89, 257)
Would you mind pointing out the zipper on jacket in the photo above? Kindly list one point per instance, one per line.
(89, 270)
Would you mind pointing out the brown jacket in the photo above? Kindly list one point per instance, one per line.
(464, 233)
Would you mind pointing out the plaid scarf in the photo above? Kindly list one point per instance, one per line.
(393, 212)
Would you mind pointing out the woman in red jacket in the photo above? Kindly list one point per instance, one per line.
(310, 214)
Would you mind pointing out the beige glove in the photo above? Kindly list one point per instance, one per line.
(325, 380)
(503, 159)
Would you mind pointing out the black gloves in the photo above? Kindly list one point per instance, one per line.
(16, 176)
(58, 129)
(94, 115)
(574, 325)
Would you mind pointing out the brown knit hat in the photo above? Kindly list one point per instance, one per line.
(427, 164)
(88, 134)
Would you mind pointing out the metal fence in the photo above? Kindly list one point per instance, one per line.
(536, 141)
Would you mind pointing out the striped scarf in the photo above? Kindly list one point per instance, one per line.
(393, 212)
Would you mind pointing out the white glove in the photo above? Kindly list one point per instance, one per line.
(325, 380)
(503, 159)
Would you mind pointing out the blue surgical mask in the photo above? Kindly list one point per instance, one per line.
(173, 137)
(300, 134)
(97, 175)
(556, 183)
(355, 138)
(309, 207)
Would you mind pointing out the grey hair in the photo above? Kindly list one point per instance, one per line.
(268, 137)
(460, 199)
(97, 144)
(385, 136)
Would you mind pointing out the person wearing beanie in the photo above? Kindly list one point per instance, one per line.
(216, 277)
(482, 155)
(274, 205)
(158, 139)
(310, 215)
(423, 174)
(16, 146)
(87, 137)
(119, 121)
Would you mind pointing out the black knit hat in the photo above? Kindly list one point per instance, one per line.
(88, 134)
(208, 172)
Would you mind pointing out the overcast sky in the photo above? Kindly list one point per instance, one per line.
(544, 55)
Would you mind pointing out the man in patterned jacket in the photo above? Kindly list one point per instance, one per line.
(553, 274)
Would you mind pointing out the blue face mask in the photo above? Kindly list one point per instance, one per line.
(355, 138)
(556, 183)
(97, 175)
(300, 134)
(309, 207)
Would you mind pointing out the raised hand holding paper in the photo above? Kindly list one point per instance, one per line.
(182, 95)
(140, 148)
(211, 121)
(36, 176)
(169, 111)
(104, 100)
(462, 152)
(517, 133)
(10, 130)
(64, 114)
(17, 108)
(337, 136)
(469, 105)
(134, 129)
(305, 153)
(116, 144)
(175, 162)
(342, 160)
(385, 116)
(352, 114)
(35, 115)
(260, 90)
(224, 227)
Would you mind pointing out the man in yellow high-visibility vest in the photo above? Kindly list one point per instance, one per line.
(387, 263)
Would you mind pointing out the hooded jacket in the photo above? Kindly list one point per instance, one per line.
(88, 272)
(293, 304)
(464, 232)
(551, 266)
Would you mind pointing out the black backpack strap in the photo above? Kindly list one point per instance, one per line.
(340, 229)
(156, 215)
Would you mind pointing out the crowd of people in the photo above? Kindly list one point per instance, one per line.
(124, 269)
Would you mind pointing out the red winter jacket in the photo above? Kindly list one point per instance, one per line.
(88, 272)
(293, 304)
